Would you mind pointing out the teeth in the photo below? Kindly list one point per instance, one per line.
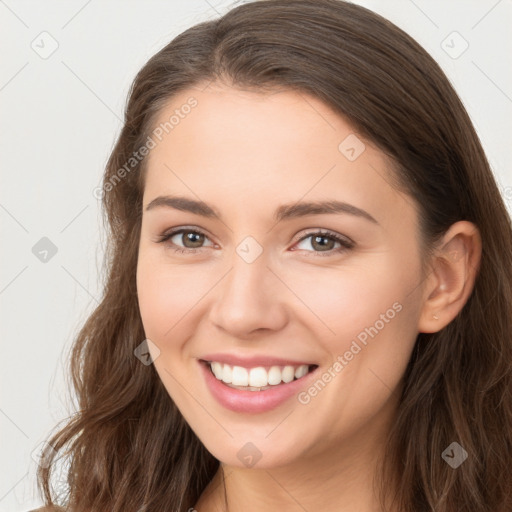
(239, 377)
(301, 371)
(258, 377)
(227, 374)
(274, 375)
(288, 373)
(217, 370)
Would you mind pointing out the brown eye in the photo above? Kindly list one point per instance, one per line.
(324, 242)
(190, 239)
(193, 238)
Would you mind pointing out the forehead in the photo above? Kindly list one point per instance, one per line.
(279, 146)
(248, 119)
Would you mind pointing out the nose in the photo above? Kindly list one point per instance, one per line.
(248, 299)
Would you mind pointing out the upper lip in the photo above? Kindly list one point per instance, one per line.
(252, 361)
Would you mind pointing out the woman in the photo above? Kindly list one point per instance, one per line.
(309, 292)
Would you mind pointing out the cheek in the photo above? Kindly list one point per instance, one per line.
(343, 304)
(166, 294)
(366, 319)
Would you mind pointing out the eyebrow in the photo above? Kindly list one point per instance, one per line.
(283, 212)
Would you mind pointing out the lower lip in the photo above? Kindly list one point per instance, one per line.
(252, 401)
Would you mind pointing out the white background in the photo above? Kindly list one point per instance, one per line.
(60, 118)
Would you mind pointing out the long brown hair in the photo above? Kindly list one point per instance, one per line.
(128, 447)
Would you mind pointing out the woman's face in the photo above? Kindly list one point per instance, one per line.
(267, 184)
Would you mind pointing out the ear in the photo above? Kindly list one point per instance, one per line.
(452, 275)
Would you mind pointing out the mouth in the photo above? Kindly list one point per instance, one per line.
(257, 378)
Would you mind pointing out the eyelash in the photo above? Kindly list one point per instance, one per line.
(345, 243)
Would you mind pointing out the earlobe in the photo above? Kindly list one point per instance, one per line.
(449, 285)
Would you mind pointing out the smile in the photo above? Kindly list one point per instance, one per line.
(258, 378)
(255, 389)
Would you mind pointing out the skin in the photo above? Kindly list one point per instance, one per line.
(246, 153)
